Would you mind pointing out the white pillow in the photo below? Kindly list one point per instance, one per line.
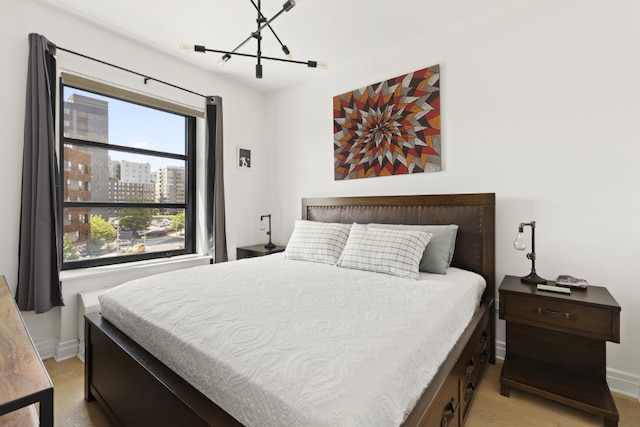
(396, 252)
(317, 241)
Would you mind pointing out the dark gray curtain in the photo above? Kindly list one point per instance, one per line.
(216, 224)
(40, 255)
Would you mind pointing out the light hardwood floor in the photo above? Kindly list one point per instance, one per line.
(489, 408)
(69, 407)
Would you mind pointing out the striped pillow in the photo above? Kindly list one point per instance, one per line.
(317, 241)
(396, 252)
(439, 252)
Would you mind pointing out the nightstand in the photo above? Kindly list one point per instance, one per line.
(556, 345)
(257, 250)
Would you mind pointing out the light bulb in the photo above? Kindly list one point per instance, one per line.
(519, 243)
(224, 59)
(316, 64)
(286, 51)
(185, 46)
(289, 4)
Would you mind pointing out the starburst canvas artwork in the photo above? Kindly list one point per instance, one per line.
(389, 128)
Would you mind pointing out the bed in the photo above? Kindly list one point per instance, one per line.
(135, 388)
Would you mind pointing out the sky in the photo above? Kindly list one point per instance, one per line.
(132, 125)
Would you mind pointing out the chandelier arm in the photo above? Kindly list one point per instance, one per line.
(270, 27)
(199, 48)
(260, 28)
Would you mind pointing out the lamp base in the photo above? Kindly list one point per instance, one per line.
(533, 278)
(269, 245)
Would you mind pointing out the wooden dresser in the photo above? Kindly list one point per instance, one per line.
(556, 345)
(24, 380)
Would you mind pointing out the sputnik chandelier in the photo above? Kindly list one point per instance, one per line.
(263, 23)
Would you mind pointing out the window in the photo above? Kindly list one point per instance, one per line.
(129, 176)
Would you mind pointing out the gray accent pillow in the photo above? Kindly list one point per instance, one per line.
(439, 252)
(317, 241)
(396, 252)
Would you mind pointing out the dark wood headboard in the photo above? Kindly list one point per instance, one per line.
(473, 213)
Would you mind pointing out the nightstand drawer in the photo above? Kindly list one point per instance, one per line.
(587, 320)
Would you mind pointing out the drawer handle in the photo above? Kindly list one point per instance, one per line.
(471, 365)
(557, 314)
(484, 339)
(470, 391)
(449, 412)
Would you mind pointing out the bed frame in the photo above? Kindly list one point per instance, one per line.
(134, 388)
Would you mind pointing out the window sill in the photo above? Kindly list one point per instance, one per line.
(178, 261)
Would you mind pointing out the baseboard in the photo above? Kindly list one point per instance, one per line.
(57, 350)
(66, 350)
(46, 349)
(501, 349)
(619, 382)
(81, 350)
(624, 383)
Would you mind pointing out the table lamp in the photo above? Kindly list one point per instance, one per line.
(521, 245)
(269, 245)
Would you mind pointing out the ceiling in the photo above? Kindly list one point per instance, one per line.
(339, 32)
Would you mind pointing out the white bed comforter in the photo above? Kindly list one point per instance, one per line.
(276, 342)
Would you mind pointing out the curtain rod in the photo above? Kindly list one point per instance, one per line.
(146, 78)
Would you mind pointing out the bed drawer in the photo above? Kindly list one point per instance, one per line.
(559, 315)
(474, 362)
(444, 411)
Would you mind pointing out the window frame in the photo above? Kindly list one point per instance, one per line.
(189, 158)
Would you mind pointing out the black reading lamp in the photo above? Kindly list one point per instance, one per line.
(269, 245)
(521, 245)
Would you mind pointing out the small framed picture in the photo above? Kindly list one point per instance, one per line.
(244, 158)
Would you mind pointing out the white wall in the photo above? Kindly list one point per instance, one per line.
(539, 105)
(55, 332)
